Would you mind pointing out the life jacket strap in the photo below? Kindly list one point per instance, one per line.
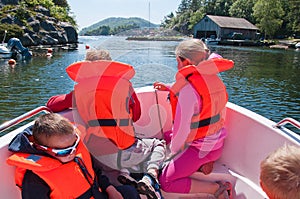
(87, 194)
(205, 122)
(110, 122)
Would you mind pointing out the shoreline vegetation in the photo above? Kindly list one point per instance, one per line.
(277, 44)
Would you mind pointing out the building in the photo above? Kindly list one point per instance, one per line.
(221, 27)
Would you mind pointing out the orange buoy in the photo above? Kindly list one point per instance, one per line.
(87, 47)
(11, 62)
(49, 50)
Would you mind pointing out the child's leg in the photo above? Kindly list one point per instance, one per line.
(175, 176)
(128, 192)
(149, 152)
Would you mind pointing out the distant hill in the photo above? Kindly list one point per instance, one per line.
(114, 25)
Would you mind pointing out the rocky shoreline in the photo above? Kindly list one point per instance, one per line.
(41, 29)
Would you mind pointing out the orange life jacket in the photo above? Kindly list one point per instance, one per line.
(102, 96)
(212, 91)
(65, 180)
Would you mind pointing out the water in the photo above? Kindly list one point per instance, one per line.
(263, 80)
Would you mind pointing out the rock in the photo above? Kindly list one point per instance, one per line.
(41, 29)
(42, 10)
(48, 25)
(26, 40)
(35, 25)
(10, 2)
(60, 36)
(71, 32)
(48, 40)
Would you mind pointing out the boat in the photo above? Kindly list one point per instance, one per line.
(12, 48)
(210, 41)
(297, 45)
(5, 53)
(251, 137)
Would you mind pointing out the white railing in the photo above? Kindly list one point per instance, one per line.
(21, 118)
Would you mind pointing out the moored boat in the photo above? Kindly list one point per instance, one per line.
(251, 138)
(5, 53)
(212, 41)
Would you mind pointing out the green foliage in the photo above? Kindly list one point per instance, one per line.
(22, 13)
(118, 24)
(45, 3)
(292, 18)
(195, 18)
(59, 9)
(61, 3)
(273, 17)
(107, 30)
(13, 30)
(268, 15)
(102, 30)
(124, 28)
(243, 9)
(61, 13)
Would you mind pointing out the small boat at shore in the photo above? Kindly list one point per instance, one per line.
(212, 41)
(12, 48)
(5, 53)
(297, 45)
(251, 137)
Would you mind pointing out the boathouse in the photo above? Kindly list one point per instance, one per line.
(221, 27)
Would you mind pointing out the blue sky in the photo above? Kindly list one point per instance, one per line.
(88, 12)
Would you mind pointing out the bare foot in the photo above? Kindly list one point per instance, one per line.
(207, 168)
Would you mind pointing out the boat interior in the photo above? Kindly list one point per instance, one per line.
(251, 138)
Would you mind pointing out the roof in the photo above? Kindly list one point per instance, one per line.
(232, 22)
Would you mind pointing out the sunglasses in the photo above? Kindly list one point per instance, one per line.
(60, 152)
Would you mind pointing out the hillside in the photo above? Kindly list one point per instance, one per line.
(115, 25)
(38, 22)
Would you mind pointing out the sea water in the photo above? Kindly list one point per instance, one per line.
(263, 80)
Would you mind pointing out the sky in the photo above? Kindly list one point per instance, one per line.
(89, 12)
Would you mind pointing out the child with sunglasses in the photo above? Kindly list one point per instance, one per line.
(52, 162)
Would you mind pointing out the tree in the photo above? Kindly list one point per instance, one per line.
(61, 3)
(217, 7)
(195, 18)
(183, 6)
(167, 19)
(243, 9)
(292, 17)
(268, 15)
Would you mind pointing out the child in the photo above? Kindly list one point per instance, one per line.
(108, 105)
(280, 173)
(198, 99)
(53, 162)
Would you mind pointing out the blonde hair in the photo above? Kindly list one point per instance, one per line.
(193, 49)
(96, 54)
(280, 173)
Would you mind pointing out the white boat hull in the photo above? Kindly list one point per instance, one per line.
(210, 41)
(251, 138)
(4, 52)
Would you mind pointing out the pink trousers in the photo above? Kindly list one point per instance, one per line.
(175, 175)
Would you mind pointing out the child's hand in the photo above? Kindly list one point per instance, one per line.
(113, 193)
(160, 86)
